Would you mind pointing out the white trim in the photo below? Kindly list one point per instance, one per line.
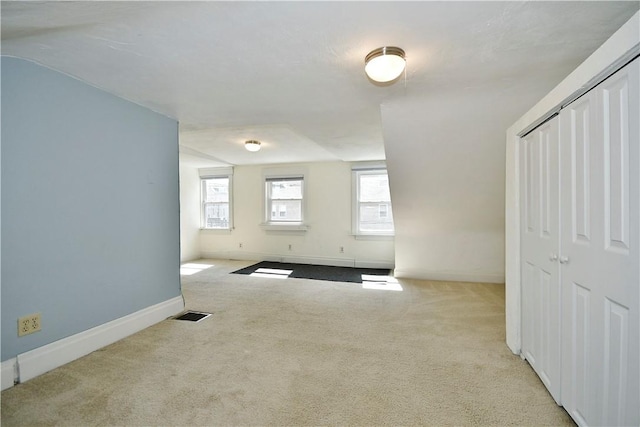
(599, 78)
(448, 276)
(628, 56)
(359, 166)
(616, 47)
(512, 289)
(337, 262)
(374, 264)
(43, 359)
(215, 172)
(9, 373)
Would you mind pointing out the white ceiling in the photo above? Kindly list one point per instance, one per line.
(290, 74)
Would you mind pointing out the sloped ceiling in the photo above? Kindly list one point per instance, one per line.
(290, 74)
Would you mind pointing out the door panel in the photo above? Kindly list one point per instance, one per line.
(615, 99)
(540, 240)
(580, 348)
(600, 186)
(616, 360)
(578, 129)
(580, 115)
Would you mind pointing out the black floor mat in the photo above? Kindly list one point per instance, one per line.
(317, 272)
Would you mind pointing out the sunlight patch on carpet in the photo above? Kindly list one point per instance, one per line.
(382, 283)
(272, 273)
(193, 268)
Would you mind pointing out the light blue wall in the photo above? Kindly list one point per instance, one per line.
(90, 206)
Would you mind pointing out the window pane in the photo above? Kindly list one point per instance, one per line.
(216, 190)
(216, 215)
(286, 189)
(286, 210)
(374, 217)
(374, 188)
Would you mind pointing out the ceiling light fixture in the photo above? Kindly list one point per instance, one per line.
(384, 64)
(252, 145)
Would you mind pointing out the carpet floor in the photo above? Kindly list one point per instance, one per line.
(301, 352)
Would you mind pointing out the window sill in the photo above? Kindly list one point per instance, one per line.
(388, 237)
(296, 226)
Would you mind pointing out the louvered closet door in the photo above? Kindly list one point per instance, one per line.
(540, 240)
(600, 255)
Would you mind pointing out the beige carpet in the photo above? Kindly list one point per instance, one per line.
(301, 352)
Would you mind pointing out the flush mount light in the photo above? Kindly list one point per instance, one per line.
(252, 145)
(384, 64)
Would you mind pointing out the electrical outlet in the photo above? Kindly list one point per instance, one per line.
(29, 324)
(289, 247)
(240, 246)
(341, 249)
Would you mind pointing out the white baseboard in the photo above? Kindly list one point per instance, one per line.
(297, 259)
(43, 359)
(293, 259)
(448, 276)
(8, 373)
(374, 264)
(234, 255)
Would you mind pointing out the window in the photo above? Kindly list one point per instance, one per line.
(215, 203)
(372, 202)
(216, 199)
(284, 200)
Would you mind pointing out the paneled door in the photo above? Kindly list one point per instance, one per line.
(600, 254)
(540, 240)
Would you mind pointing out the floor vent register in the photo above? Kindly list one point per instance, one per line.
(193, 316)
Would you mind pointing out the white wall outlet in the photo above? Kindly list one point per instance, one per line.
(290, 247)
(29, 324)
(341, 249)
(240, 245)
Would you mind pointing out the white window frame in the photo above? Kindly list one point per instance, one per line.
(215, 173)
(357, 170)
(283, 173)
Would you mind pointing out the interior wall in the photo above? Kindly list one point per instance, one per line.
(189, 218)
(90, 206)
(625, 40)
(447, 194)
(328, 196)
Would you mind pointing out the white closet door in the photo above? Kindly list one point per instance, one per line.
(600, 254)
(540, 268)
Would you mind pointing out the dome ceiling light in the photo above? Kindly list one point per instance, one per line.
(252, 145)
(384, 64)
